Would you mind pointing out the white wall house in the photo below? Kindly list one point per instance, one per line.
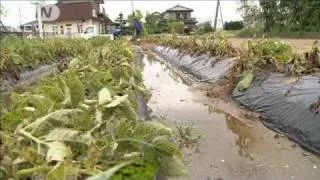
(74, 17)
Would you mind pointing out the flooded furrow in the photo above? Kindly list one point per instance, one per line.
(232, 148)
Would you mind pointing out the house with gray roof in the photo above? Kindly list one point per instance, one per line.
(181, 13)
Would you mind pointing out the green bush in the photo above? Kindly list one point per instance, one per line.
(233, 25)
(176, 27)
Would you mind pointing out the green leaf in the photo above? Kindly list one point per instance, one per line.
(139, 88)
(66, 92)
(117, 100)
(16, 59)
(10, 120)
(104, 96)
(57, 151)
(108, 173)
(76, 88)
(54, 93)
(245, 82)
(74, 63)
(172, 166)
(57, 172)
(41, 103)
(104, 51)
(163, 144)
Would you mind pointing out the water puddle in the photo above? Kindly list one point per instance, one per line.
(230, 148)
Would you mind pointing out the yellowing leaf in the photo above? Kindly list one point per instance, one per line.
(58, 115)
(104, 96)
(69, 135)
(31, 109)
(57, 151)
(118, 100)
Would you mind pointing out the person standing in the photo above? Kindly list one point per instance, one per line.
(138, 27)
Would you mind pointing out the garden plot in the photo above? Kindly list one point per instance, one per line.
(299, 115)
(83, 123)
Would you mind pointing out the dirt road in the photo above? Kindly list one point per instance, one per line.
(236, 146)
(301, 45)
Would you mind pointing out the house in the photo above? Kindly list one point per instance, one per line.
(29, 28)
(75, 16)
(6, 30)
(181, 13)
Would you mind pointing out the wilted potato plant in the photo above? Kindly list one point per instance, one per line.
(83, 123)
(215, 44)
(271, 55)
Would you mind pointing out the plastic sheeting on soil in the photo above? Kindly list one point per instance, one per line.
(201, 68)
(291, 108)
(27, 78)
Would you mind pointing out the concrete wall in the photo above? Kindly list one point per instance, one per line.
(61, 29)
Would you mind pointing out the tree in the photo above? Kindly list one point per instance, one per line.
(269, 13)
(152, 22)
(283, 15)
(137, 14)
(3, 11)
(251, 14)
(120, 20)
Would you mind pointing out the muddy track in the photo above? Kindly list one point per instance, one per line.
(235, 145)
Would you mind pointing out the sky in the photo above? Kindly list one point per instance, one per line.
(203, 10)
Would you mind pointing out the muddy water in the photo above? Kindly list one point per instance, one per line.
(232, 148)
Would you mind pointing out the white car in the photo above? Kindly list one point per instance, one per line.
(91, 31)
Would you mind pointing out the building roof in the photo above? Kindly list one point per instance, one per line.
(8, 29)
(79, 10)
(75, 11)
(31, 23)
(72, 1)
(179, 8)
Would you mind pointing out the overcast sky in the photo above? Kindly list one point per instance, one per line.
(203, 10)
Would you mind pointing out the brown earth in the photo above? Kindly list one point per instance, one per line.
(301, 45)
(235, 144)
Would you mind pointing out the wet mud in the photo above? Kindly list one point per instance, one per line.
(235, 145)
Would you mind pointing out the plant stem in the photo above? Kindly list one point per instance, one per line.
(28, 135)
(32, 170)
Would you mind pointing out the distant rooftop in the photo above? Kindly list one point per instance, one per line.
(179, 8)
(31, 23)
(8, 29)
(75, 1)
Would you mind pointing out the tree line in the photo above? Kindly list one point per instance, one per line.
(281, 15)
(154, 23)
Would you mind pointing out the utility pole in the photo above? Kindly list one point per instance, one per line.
(221, 17)
(20, 16)
(132, 7)
(38, 9)
(216, 17)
